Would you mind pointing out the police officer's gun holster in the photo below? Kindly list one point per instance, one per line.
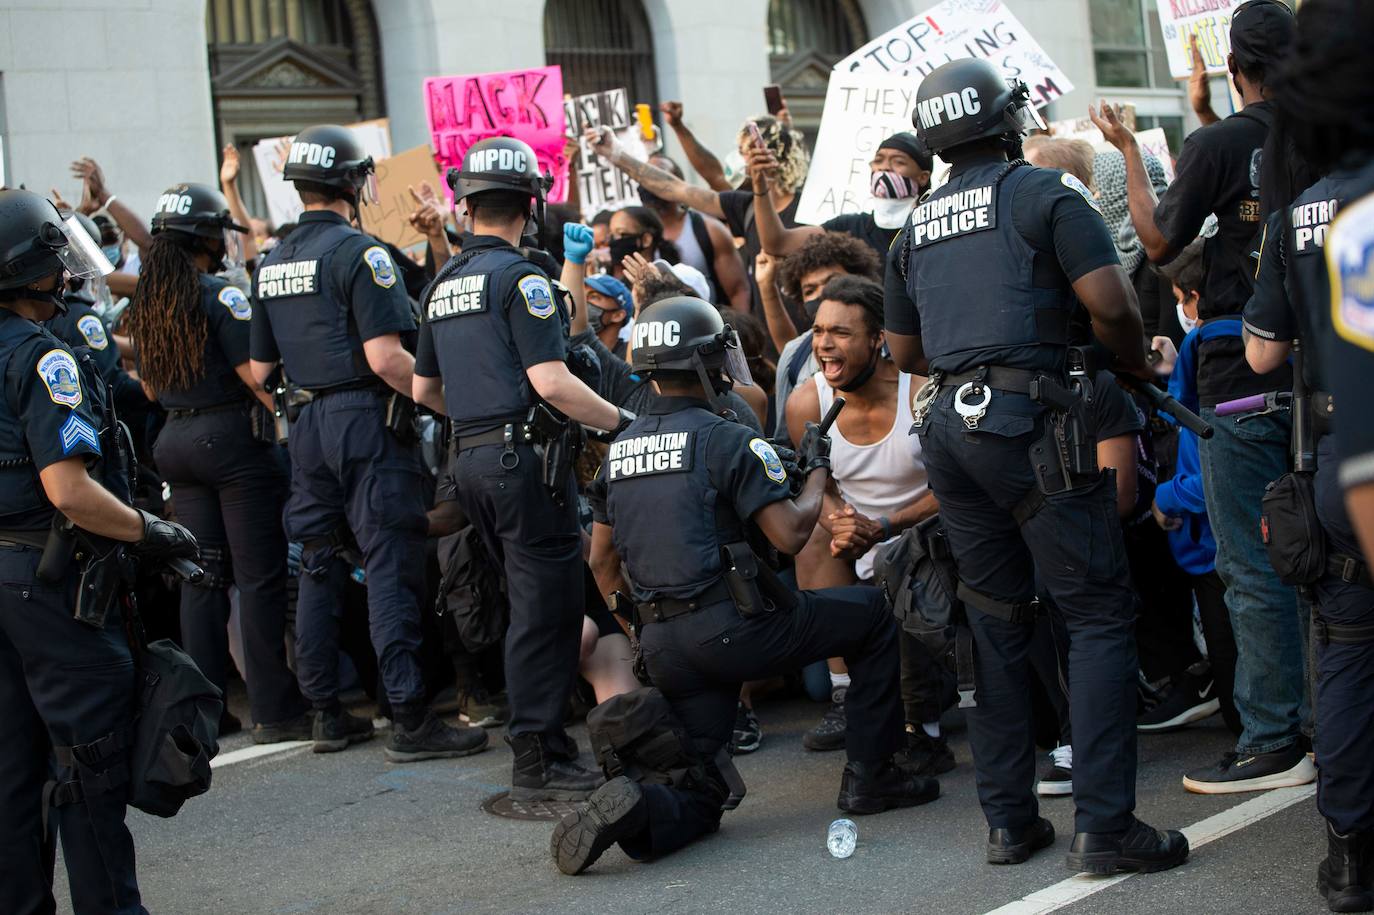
(401, 418)
(558, 443)
(105, 568)
(754, 585)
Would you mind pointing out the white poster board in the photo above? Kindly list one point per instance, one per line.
(600, 185)
(1152, 141)
(269, 155)
(957, 29)
(1209, 20)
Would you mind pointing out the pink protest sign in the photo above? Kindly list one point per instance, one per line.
(525, 104)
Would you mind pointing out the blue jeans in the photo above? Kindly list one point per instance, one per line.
(1238, 461)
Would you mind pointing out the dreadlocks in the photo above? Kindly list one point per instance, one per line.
(165, 320)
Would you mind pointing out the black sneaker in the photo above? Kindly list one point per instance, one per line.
(1141, 849)
(302, 727)
(874, 787)
(1344, 877)
(1253, 772)
(926, 755)
(484, 710)
(747, 736)
(1014, 846)
(829, 734)
(433, 739)
(1058, 781)
(540, 773)
(334, 731)
(1191, 699)
(615, 811)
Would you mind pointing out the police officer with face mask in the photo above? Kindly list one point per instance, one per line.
(711, 614)
(331, 309)
(67, 680)
(492, 358)
(980, 284)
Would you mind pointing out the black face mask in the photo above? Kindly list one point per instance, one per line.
(622, 247)
(862, 378)
(652, 200)
(54, 296)
(812, 306)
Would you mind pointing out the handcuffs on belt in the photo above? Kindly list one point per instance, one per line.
(971, 412)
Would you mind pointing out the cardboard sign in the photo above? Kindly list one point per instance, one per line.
(269, 156)
(1209, 20)
(1152, 141)
(957, 29)
(525, 104)
(389, 219)
(600, 185)
(861, 110)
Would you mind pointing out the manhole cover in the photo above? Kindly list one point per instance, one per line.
(502, 805)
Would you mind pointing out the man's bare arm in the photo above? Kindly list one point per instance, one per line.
(655, 180)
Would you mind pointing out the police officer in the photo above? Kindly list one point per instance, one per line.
(1293, 302)
(66, 686)
(492, 357)
(979, 288)
(331, 309)
(191, 331)
(685, 492)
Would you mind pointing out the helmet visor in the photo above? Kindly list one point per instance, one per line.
(1021, 113)
(736, 365)
(369, 192)
(81, 255)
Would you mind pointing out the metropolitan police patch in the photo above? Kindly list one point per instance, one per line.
(772, 464)
(1350, 262)
(1074, 184)
(232, 298)
(93, 329)
(538, 295)
(57, 368)
(379, 262)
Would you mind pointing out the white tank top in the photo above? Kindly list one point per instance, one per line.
(880, 478)
(689, 251)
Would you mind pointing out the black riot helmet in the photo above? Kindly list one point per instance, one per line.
(330, 156)
(686, 334)
(498, 164)
(966, 100)
(36, 242)
(198, 213)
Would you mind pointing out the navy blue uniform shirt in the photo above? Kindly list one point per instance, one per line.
(228, 316)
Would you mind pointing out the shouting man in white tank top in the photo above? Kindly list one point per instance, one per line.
(879, 490)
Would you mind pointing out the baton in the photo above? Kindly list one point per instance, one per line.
(831, 415)
(1165, 403)
(185, 569)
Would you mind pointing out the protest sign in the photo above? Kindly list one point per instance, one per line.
(388, 219)
(1152, 141)
(861, 110)
(269, 156)
(525, 104)
(956, 29)
(1209, 20)
(601, 186)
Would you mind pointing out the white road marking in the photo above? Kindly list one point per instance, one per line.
(1200, 833)
(255, 752)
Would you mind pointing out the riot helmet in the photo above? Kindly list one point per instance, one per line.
(967, 100)
(36, 243)
(198, 213)
(330, 156)
(503, 167)
(687, 334)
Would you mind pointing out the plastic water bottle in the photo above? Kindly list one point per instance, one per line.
(844, 835)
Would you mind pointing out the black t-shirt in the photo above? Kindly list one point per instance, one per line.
(1219, 172)
(228, 316)
(738, 207)
(865, 229)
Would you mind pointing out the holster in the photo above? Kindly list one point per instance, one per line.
(263, 424)
(104, 574)
(401, 419)
(561, 441)
(1065, 456)
(754, 586)
(295, 398)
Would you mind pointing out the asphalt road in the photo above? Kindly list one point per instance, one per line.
(293, 832)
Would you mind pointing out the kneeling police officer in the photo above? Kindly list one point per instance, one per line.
(980, 285)
(67, 686)
(711, 614)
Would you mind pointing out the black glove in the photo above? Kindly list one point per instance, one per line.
(626, 417)
(814, 450)
(788, 457)
(165, 539)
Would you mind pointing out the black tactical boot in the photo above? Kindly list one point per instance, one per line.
(335, 729)
(1344, 878)
(541, 773)
(1140, 848)
(615, 811)
(302, 727)
(872, 787)
(1013, 846)
(432, 739)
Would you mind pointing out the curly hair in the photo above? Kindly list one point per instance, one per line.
(831, 249)
(785, 143)
(164, 318)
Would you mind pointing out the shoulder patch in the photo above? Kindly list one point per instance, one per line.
(1073, 184)
(772, 464)
(75, 431)
(379, 262)
(58, 370)
(538, 295)
(1350, 263)
(93, 329)
(232, 298)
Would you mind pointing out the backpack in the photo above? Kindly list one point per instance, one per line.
(176, 732)
(473, 592)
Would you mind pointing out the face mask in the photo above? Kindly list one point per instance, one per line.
(622, 247)
(652, 200)
(812, 306)
(1184, 321)
(888, 185)
(595, 318)
(892, 214)
(113, 254)
(52, 296)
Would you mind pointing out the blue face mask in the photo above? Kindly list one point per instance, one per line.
(112, 253)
